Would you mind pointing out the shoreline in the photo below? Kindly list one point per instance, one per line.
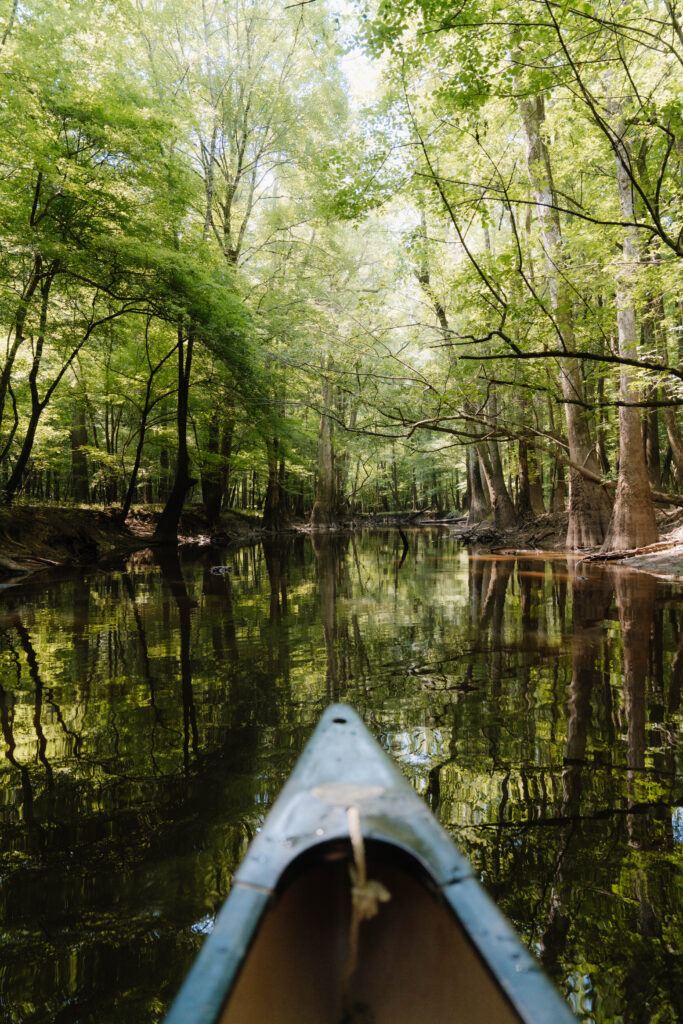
(37, 538)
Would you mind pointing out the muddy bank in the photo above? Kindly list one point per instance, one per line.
(39, 537)
(548, 533)
(35, 538)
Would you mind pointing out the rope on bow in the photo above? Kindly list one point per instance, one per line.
(366, 895)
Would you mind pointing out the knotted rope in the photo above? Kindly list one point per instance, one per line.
(366, 895)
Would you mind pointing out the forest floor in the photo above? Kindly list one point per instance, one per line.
(39, 537)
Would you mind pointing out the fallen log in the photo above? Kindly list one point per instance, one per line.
(648, 549)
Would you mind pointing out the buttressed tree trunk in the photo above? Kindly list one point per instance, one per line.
(501, 505)
(479, 504)
(589, 504)
(633, 518)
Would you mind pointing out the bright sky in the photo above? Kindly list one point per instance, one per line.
(362, 73)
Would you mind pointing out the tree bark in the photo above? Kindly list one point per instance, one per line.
(633, 522)
(272, 506)
(479, 507)
(167, 527)
(653, 455)
(501, 505)
(79, 463)
(673, 431)
(558, 500)
(589, 505)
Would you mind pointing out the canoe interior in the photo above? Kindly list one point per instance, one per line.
(415, 962)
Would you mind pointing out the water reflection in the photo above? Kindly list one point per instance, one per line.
(150, 715)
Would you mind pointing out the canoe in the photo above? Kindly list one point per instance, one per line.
(353, 906)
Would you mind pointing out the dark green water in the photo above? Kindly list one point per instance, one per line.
(151, 714)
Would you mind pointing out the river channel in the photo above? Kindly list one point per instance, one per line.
(151, 713)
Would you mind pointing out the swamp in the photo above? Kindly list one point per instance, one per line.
(151, 714)
(341, 359)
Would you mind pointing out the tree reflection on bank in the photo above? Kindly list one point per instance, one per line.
(150, 715)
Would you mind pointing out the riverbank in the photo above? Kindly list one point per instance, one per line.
(548, 533)
(39, 537)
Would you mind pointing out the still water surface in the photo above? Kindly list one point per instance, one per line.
(150, 715)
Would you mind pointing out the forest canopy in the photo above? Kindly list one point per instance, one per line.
(231, 276)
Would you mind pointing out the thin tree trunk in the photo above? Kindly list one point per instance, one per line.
(558, 500)
(17, 475)
(523, 493)
(19, 324)
(272, 507)
(536, 481)
(324, 509)
(211, 476)
(673, 431)
(167, 527)
(79, 463)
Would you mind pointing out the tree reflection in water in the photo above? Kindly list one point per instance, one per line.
(149, 716)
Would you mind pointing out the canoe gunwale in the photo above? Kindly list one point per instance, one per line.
(398, 827)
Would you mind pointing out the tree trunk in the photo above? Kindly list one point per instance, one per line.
(501, 505)
(589, 504)
(272, 506)
(673, 431)
(16, 478)
(324, 509)
(536, 481)
(633, 518)
(146, 408)
(479, 507)
(19, 323)
(558, 501)
(653, 455)
(524, 492)
(214, 473)
(79, 462)
(167, 527)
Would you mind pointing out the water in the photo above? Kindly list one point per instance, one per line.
(150, 715)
